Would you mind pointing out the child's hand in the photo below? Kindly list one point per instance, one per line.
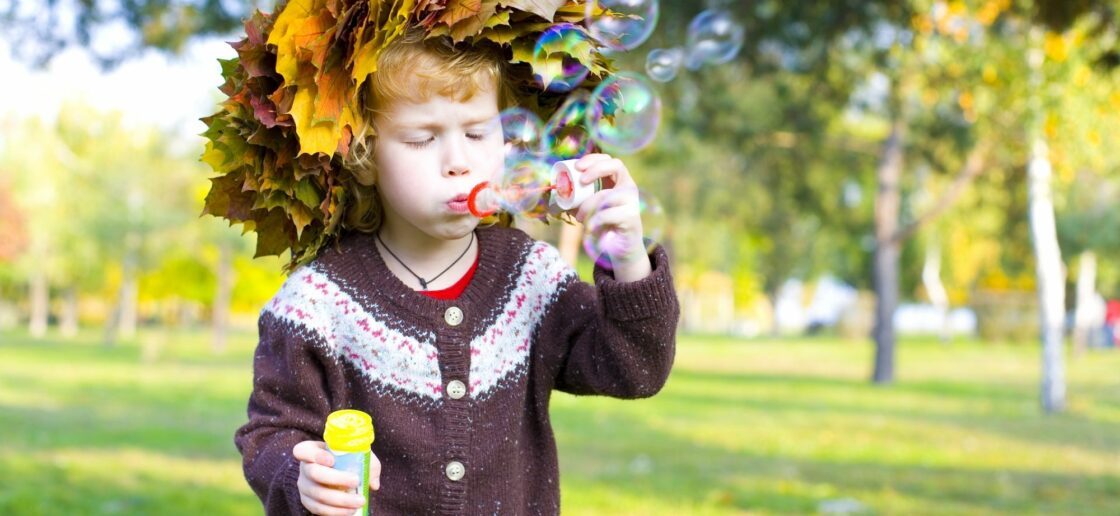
(323, 490)
(616, 210)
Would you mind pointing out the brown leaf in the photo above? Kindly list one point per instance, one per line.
(459, 10)
(544, 8)
(473, 24)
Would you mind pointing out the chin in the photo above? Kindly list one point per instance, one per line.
(453, 229)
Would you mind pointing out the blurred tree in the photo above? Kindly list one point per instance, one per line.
(113, 31)
(13, 223)
(107, 204)
(38, 179)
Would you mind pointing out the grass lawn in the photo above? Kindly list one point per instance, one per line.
(743, 427)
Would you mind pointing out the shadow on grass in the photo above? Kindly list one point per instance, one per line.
(608, 451)
(996, 409)
(177, 409)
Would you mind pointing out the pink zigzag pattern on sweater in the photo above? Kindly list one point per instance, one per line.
(311, 300)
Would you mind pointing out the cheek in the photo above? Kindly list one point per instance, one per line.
(492, 157)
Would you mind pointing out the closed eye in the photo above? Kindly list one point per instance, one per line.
(421, 144)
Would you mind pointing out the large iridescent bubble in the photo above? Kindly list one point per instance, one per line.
(714, 37)
(561, 42)
(522, 130)
(624, 113)
(662, 64)
(622, 25)
(602, 243)
(565, 135)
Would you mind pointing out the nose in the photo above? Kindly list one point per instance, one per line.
(455, 158)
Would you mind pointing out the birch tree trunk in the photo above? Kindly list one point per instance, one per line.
(122, 319)
(68, 324)
(1051, 281)
(40, 303)
(570, 237)
(931, 278)
(1086, 318)
(220, 314)
(1044, 239)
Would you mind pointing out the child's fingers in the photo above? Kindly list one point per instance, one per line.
(329, 476)
(590, 159)
(623, 218)
(612, 171)
(374, 472)
(322, 499)
(313, 451)
(600, 201)
(327, 509)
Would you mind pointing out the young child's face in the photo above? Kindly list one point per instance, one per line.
(430, 155)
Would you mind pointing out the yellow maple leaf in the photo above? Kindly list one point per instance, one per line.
(283, 36)
(312, 137)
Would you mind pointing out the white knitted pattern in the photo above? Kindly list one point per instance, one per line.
(311, 300)
(502, 349)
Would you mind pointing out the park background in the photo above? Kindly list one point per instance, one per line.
(893, 227)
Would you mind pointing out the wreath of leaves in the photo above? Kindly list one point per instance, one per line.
(278, 140)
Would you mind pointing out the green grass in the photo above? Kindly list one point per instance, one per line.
(755, 427)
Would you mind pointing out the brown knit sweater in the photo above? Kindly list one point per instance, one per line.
(343, 332)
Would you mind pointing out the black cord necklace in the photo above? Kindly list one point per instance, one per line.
(423, 282)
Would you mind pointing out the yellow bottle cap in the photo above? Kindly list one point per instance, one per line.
(349, 431)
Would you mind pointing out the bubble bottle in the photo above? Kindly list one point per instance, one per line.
(349, 435)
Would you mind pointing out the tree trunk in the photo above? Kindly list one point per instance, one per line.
(68, 325)
(772, 295)
(931, 278)
(220, 314)
(887, 249)
(40, 303)
(571, 236)
(1044, 238)
(122, 320)
(1087, 318)
(1050, 277)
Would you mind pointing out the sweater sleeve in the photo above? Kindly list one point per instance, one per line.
(616, 339)
(288, 405)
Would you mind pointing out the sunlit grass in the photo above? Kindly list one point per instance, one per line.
(777, 426)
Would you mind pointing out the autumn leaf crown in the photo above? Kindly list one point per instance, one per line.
(279, 139)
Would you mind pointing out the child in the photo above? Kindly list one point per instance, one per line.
(451, 335)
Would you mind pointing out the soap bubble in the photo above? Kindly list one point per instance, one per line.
(628, 27)
(662, 64)
(601, 242)
(523, 184)
(522, 131)
(624, 113)
(714, 37)
(561, 41)
(565, 136)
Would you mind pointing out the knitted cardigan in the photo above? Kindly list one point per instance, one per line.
(344, 332)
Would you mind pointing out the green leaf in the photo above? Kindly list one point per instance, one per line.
(308, 193)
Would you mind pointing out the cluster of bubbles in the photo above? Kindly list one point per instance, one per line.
(621, 116)
(714, 38)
